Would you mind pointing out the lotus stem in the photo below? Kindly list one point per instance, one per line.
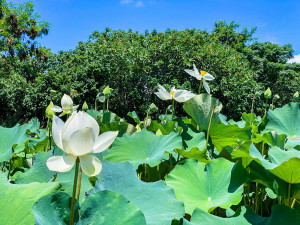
(287, 201)
(266, 107)
(79, 185)
(74, 192)
(293, 203)
(201, 81)
(256, 198)
(102, 118)
(172, 108)
(212, 113)
(9, 169)
(107, 104)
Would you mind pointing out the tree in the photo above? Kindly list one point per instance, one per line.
(19, 28)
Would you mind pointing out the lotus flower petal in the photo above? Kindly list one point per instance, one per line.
(206, 87)
(82, 141)
(163, 94)
(208, 76)
(56, 108)
(66, 102)
(183, 95)
(57, 127)
(104, 141)
(61, 163)
(90, 165)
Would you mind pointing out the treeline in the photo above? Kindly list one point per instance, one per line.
(134, 63)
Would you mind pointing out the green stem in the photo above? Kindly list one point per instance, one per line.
(263, 148)
(9, 169)
(171, 161)
(266, 107)
(172, 108)
(201, 81)
(107, 104)
(293, 203)
(256, 197)
(74, 192)
(287, 202)
(212, 113)
(79, 185)
(103, 112)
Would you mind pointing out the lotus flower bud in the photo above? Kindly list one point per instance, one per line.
(66, 102)
(296, 96)
(276, 97)
(268, 93)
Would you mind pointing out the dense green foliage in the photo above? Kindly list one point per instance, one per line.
(133, 64)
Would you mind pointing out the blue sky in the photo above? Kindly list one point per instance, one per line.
(72, 21)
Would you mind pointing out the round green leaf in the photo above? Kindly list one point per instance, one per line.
(157, 202)
(283, 164)
(54, 209)
(16, 200)
(110, 208)
(200, 109)
(286, 120)
(200, 185)
(143, 147)
(39, 171)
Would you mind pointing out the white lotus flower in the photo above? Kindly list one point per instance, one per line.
(177, 95)
(202, 75)
(66, 105)
(78, 137)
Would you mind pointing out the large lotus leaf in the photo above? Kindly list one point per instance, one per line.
(9, 137)
(280, 214)
(283, 164)
(274, 139)
(157, 202)
(110, 208)
(193, 139)
(16, 200)
(285, 120)
(229, 135)
(200, 109)
(54, 209)
(143, 147)
(200, 217)
(166, 127)
(218, 184)
(39, 171)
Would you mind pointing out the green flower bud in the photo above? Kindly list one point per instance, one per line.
(296, 96)
(268, 93)
(85, 107)
(107, 92)
(276, 97)
(49, 111)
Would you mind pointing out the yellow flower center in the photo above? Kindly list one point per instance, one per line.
(172, 93)
(203, 72)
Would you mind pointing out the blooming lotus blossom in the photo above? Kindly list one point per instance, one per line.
(177, 95)
(78, 137)
(66, 105)
(203, 75)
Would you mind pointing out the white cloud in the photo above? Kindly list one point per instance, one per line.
(139, 4)
(125, 2)
(295, 59)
